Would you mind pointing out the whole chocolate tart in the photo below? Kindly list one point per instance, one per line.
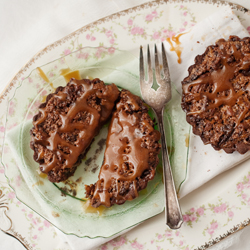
(131, 154)
(216, 95)
(67, 123)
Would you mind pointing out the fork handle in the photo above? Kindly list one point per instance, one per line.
(172, 209)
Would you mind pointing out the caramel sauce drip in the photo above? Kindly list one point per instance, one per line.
(221, 80)
(123, 146)
(86, 130)
(42, 74)
(93, 210)
(187, 140)
(65, 71)
(38, 183)
(177, 48)
(41, 174)
(68, 74)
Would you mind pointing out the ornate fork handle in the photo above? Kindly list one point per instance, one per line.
(172, 209)
(157, 99)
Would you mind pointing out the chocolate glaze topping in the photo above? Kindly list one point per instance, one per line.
(67, 123)
(221, 80)
(131, 154)
(217, 92)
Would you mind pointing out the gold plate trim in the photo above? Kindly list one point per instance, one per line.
(4, 204)
(235, 229)
(13, 82)
(155, 3)
(10, 231)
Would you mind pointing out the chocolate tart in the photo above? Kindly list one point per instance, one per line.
(131, 154)
(67, 123)
(216, 95)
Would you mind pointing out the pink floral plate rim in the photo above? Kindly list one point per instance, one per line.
(14, 80)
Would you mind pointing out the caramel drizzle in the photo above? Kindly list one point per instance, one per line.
(67, 73)
(177, 48)
(42, 74)
(85, 137)
(221, 80)
(86, 131)
(123, 135)
(92, 210)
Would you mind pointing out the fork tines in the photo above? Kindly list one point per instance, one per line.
(157, 66)
(161, 74)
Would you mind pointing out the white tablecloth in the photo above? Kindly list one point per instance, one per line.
(27, 26)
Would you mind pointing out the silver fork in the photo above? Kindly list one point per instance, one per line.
(157, 99)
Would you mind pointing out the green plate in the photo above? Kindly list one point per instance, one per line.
(63, 204)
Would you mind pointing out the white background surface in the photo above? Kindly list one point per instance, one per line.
(27, 26)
